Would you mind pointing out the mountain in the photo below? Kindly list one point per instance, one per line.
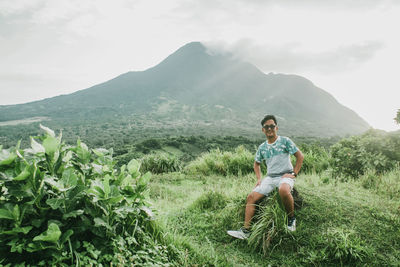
(194, 87)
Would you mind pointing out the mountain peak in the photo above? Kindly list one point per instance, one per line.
(192, 47)
(204, 84)
(188, 51)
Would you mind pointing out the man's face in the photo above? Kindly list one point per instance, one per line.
(270, 129)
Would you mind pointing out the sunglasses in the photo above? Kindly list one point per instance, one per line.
(271, 126)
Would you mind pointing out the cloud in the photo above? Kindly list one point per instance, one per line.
(247, 5)
(291, 57)
(12, 7)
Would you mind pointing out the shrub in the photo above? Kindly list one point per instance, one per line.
(352, 157)
(216, 162)
(316, 158)
(385, 184)
(64, 205)
(161, 163)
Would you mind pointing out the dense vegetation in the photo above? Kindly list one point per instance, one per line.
(65, 204)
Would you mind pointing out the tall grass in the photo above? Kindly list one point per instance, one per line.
(238, 162)
(386, 184)
(160, 163)
(316, 159)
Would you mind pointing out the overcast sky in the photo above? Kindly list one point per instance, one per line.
(350, 48)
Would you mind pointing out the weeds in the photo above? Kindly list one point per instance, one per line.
(269, 225)
(239, 162)
(161, 163)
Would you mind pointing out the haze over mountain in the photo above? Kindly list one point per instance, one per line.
(195, 87)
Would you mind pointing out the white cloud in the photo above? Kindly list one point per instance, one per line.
(291, 57)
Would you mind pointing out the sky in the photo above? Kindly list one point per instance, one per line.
(349, 48)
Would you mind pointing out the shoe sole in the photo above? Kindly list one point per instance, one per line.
(236, 234)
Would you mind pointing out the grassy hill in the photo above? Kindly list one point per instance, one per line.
(339, 224)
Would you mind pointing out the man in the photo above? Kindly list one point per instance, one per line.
(276, 153)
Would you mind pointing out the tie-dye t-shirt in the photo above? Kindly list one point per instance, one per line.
(277, 156)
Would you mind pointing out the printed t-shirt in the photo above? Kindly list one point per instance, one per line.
(277, 156)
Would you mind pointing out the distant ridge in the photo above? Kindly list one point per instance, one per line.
(194, 87)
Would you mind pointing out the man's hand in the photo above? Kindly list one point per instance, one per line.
(258, 183)
(288, 175)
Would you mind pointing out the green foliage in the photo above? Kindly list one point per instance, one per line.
(217, 162)
(161, 163)
(338, 246)
(352, 157)
(316, 158)
(67, 205)
(386, 185)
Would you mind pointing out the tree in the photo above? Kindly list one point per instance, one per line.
(397, 119)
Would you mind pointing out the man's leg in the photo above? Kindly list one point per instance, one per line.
(252, 199)
(287, 198)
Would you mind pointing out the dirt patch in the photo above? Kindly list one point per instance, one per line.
(23, 121)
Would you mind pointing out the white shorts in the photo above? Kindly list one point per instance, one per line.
(268, 184)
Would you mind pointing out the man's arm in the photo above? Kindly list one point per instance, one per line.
(299, 161)
(257, 170)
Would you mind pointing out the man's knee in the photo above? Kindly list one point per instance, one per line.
(253, 198)
(284, 190)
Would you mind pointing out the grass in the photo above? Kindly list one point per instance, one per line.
(340, 224)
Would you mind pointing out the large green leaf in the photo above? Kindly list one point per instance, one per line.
(50, 145)
(52, 234)
(133, 167)
(82, 152)
(23, 175)
(6, 214)
(106, 186)
(73, 214)
(7, 158)
(49, 131)
(69, 178)
(101, 222)
(17, 230)
(97, 190)
(144, 180)
(36, 147)
(54, 203)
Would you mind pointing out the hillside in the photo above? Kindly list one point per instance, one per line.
(339, 224)
(194, 88)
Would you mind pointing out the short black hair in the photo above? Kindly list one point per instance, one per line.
(268, 117)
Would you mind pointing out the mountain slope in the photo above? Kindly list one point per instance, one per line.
(193, 84)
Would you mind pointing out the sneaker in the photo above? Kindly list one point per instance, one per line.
(242, 233)
(291, 224)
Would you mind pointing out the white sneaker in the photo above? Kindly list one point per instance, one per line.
(242, 233)
(291, 224)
